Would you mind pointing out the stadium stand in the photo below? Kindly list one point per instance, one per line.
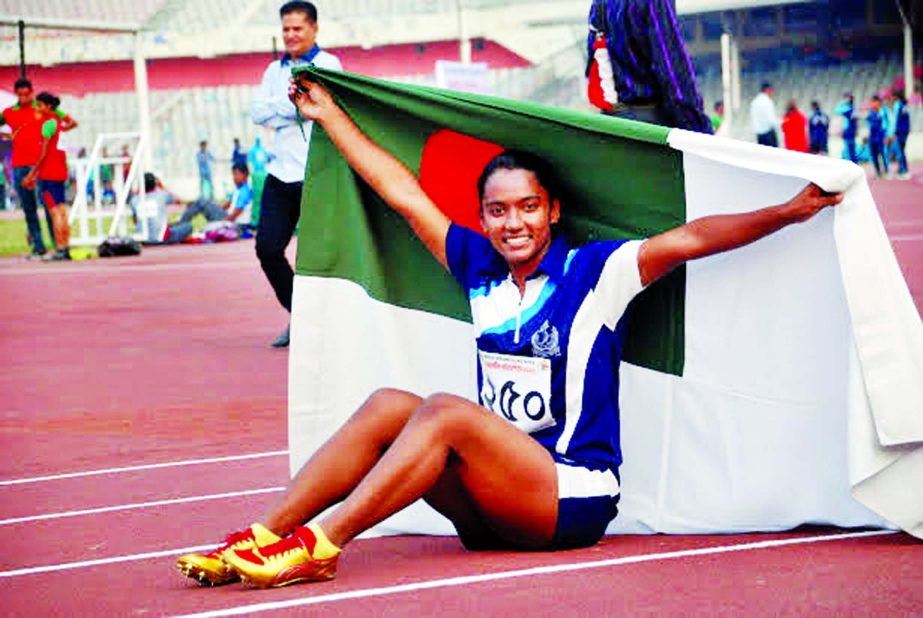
(201, 90)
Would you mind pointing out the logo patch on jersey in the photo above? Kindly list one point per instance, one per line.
(545, 341)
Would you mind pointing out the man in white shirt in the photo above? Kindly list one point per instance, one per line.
(281, 200)
(763, 117)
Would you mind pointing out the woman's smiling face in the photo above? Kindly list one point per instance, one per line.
(517, 214)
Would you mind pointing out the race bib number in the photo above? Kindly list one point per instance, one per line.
(518, 388)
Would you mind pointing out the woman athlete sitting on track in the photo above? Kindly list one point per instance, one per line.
(535, 466)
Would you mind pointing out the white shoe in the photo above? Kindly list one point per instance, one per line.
(904, 176)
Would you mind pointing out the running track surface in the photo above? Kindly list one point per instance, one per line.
(122, 366)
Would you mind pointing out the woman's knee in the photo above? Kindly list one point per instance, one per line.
(444, 409)
(388, 403)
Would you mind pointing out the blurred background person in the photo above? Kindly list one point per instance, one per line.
(763, 116)
(847, 110)
(795, 128)
(50, 172)
(638, 66)
(818, 129)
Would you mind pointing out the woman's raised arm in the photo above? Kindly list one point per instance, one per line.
(709, 235)
(379, 168)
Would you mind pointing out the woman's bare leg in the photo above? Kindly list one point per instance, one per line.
(506, 477)
(344, 460)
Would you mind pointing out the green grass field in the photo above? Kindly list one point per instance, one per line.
(13, 239)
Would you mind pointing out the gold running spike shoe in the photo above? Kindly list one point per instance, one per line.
(211, 569)
(289, 561)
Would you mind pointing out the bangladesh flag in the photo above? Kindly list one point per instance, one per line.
(761, 389)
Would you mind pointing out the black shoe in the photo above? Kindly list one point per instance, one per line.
(282, 340)
(36, 255)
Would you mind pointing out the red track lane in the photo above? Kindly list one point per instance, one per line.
(164, 358)
(879, 575)
(34, 499)
(139, 360)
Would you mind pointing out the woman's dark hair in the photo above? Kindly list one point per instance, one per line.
(240, 167)
(49, 99)
(520, 160)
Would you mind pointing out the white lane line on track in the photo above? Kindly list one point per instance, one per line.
(545, 570)
(438, 583)
(169, 464)
(72, 269)
(908, 237)
(104, 561)
(139, 505)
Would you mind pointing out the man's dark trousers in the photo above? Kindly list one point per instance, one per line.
(279, 210)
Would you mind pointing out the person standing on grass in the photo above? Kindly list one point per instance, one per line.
(50, 172)
(204, 160)
(26, 120)
(281, 193)
(534, 465)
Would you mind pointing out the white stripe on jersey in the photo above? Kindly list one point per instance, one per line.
(577, 482)
(618, 283)
(503, 306)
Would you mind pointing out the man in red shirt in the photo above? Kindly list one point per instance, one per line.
(26, 122)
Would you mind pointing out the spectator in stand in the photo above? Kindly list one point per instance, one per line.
(25, 121)
(281, 199)
(795, 128)
(846, 108)
(878, 130)
(763, 116)
(638, 66)
(818, 129)
(51, 170)
(900, 130)
(204, 160)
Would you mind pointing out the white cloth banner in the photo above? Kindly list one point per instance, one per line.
(801, 399)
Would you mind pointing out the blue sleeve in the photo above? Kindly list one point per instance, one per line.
(466, 254)
(246, 196)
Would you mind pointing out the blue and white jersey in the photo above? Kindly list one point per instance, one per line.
(548, 360)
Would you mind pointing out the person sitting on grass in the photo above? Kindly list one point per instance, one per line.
(536, 472)
(236, 208)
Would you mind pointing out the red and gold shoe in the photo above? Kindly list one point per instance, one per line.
(211, 568)
(291, 560)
